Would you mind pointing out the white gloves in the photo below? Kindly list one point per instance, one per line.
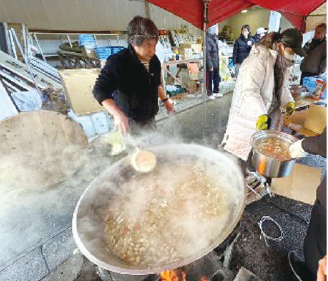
(296, 150)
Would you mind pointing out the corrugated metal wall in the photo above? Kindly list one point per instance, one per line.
(83, 14)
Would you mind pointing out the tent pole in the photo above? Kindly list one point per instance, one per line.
(204, 90)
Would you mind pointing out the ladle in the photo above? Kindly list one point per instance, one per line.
(142, 161)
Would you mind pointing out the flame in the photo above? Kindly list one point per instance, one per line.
(174, 275)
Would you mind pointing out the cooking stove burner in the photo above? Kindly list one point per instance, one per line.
(212, 267)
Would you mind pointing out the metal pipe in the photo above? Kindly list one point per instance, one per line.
(25, 41)
(205, 19)
(97, 45)
(39, 46)
(8, 42)
(69, 40)
(13, 33)
(59, 33)
(12, 43)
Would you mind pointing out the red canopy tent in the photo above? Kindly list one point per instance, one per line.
(205, 13)
(218, 10)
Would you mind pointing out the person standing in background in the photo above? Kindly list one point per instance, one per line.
(315, 63)
(260, 32)
(242, 47)
(212, 63)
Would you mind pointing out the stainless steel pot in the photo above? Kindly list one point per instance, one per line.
(88, 218)
(268, 166)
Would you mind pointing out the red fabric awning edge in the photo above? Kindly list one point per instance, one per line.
(192, 10)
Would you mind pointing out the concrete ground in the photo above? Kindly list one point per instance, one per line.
(35, 231)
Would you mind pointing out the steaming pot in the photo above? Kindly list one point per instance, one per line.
(88, 218)
(268, 166)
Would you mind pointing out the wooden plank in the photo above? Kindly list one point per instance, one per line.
(316, 120)
(67, 31)
(7, 107)
(22, 70)
(78, 85)
(300, 185)
(296, 123)
(17, 80)
(40, 148)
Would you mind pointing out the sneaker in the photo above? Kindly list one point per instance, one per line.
(211, 97)
(218, 95)
(298, 267)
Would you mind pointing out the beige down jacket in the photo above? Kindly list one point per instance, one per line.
(252, 97)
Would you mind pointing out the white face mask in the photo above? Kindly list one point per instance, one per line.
(288, 55)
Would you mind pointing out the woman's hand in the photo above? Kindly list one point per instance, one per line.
(121, 121)
(322, 270)
(169, 107)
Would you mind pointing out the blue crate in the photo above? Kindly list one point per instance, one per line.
(87, 40)
(103, 52)
(116, 49)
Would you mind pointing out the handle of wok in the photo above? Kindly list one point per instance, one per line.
(132, 142)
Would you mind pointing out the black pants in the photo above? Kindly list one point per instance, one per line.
(315, 240)
(212, 81)
(140, 127)
(307, 74)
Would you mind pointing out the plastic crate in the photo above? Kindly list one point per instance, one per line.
(116, 49)
(103, 52)
(87, 40)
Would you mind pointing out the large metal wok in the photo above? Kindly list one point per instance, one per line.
(88, 218)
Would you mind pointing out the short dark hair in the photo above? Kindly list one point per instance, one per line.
(141, 29)
(246, 26)
(322, 26)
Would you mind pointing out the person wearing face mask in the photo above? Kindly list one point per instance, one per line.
(260, 32)
(261, 93)
(242, 48)
(130, 83)
(314, 63)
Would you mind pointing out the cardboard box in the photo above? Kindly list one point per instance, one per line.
(186, 53)
(305, 122)
(300, 185)
(196, 48)
(78, 84)
(316, 119)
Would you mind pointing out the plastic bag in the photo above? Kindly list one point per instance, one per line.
(311, 84)
(318, 92)
(115, 138)
(27, 100)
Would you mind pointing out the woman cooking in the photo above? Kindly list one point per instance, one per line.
(261, 93)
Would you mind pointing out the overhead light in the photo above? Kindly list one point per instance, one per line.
(244, 11)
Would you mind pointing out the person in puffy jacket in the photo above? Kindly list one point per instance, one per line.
(261, 93)
(242, 47)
